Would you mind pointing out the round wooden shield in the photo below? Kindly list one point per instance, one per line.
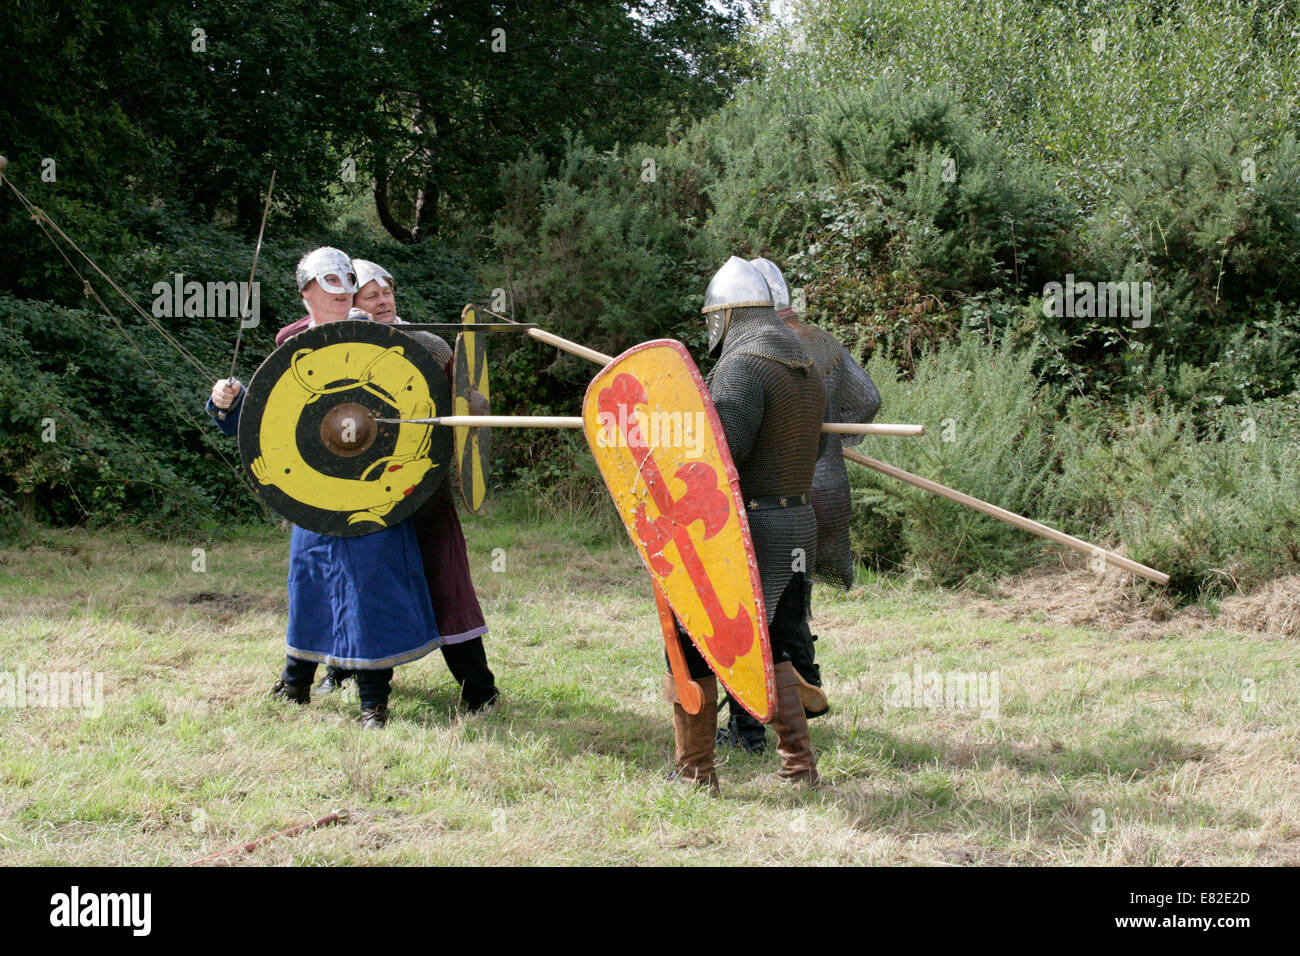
(308, 433)
(470, 375)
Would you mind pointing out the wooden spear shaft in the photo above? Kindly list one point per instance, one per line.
(1034, 527)
(566, 421)
(564, 345)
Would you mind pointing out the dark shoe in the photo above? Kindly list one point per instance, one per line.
(332, 681)
(298, 693)
(745, 733)
(475, 704)
(374, 718)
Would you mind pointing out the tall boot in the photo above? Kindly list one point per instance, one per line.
(695, 734)
(791, 726)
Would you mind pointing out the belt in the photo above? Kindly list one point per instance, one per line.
(775, 501)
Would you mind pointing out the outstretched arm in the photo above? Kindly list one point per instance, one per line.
(228, 397)
(859, 399)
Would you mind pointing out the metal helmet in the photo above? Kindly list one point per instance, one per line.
(737, 285)
(775, 282)
(370, 272)
(320, 264)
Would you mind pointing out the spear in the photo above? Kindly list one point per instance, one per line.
(1027, 524)
(1034, 527)
(573, 421)
(243, 308)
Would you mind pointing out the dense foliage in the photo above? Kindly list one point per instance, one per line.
(939, 179)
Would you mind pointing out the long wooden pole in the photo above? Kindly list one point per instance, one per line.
(564, 345)
(566, 421)
(493, 421)
(1034, 527)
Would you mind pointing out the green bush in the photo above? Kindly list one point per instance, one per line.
(1216, 507)
(989, 427)
(98, 432)
(132, 440)
(608, 251)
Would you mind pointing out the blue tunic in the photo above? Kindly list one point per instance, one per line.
(357, 603)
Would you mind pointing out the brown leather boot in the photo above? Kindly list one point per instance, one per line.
(695, 734)
(791, 725)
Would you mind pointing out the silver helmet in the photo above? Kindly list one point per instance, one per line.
(737, 285)
(775, 282)
(370, 272)
(330, 267)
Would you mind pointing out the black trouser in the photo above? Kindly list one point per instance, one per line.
(792, 640)
(468, 664)
(372, 685)
(785, 632)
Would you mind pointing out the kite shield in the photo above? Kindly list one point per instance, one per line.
(659, 445)
(470, 375)
(308, 433)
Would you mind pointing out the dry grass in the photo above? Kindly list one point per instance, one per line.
(1127, 732)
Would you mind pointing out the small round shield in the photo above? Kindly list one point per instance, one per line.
(310, 437)
(471, 396)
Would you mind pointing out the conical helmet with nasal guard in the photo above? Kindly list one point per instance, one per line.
(737, 285)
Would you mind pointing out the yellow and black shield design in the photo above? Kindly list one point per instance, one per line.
(309, 437)
(470, 376)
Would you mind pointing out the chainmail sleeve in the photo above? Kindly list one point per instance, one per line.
(858, 397)
(436, 346)
(738, 397)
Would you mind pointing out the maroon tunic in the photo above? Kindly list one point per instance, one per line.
(293, 328)
(446, 568)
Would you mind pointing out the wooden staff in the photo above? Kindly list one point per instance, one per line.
(1034, 527)
(492, 421)
(563, 344)
(566, 421)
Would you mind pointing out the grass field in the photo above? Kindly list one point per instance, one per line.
(1171, 743)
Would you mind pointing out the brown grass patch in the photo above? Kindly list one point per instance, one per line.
(1117, 601)
(1273, 609)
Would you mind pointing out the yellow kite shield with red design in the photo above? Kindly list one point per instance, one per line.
(657, 440)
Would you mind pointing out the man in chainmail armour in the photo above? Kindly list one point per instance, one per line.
(770, 398)
(851, 396)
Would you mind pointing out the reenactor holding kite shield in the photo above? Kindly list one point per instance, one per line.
(770, 398)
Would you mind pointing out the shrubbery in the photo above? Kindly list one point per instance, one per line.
(132, 441)
(989, 430)
(608, 251)
(1212, 500)
(922, 173)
